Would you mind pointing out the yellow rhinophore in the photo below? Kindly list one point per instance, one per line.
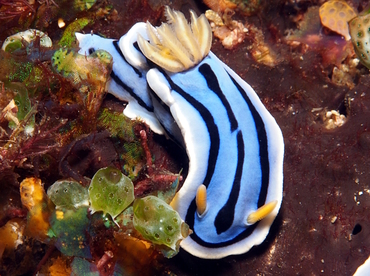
(261, 212)
(201, 199)
(177, 46)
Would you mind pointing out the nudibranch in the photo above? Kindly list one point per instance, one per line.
(233, 190)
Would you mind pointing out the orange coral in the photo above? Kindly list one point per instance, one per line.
(35, 200)
(59, 267)
(137, 255)
(11, 234)
(32, 192)
(335, 14)
(220, 5)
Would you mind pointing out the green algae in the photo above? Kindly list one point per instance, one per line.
(21, 100)
(110, 191)
(133, 153)
(122, 128)
(68, 37)
(94, 68)
(83, 5)
(20, 72)
(26, 112)
(118, 124)
(68, 194)
(68, 227)
(13, 46)
(248, 7)
(81, 266)
(125, 218)
(159, 223)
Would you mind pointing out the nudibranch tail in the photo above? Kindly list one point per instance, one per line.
(261, 212)
(176, 46)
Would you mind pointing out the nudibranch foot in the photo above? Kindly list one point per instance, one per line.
(176, 46)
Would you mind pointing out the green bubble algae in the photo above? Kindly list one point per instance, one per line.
(159, 223)
(110, 191)
(68, 194)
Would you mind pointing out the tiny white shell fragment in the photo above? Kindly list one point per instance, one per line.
(28, 36)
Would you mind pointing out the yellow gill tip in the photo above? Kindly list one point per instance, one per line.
(261, 212)
(186, 45)
(152, 34)
(169, 14)
(159, 55)
(201, 200)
